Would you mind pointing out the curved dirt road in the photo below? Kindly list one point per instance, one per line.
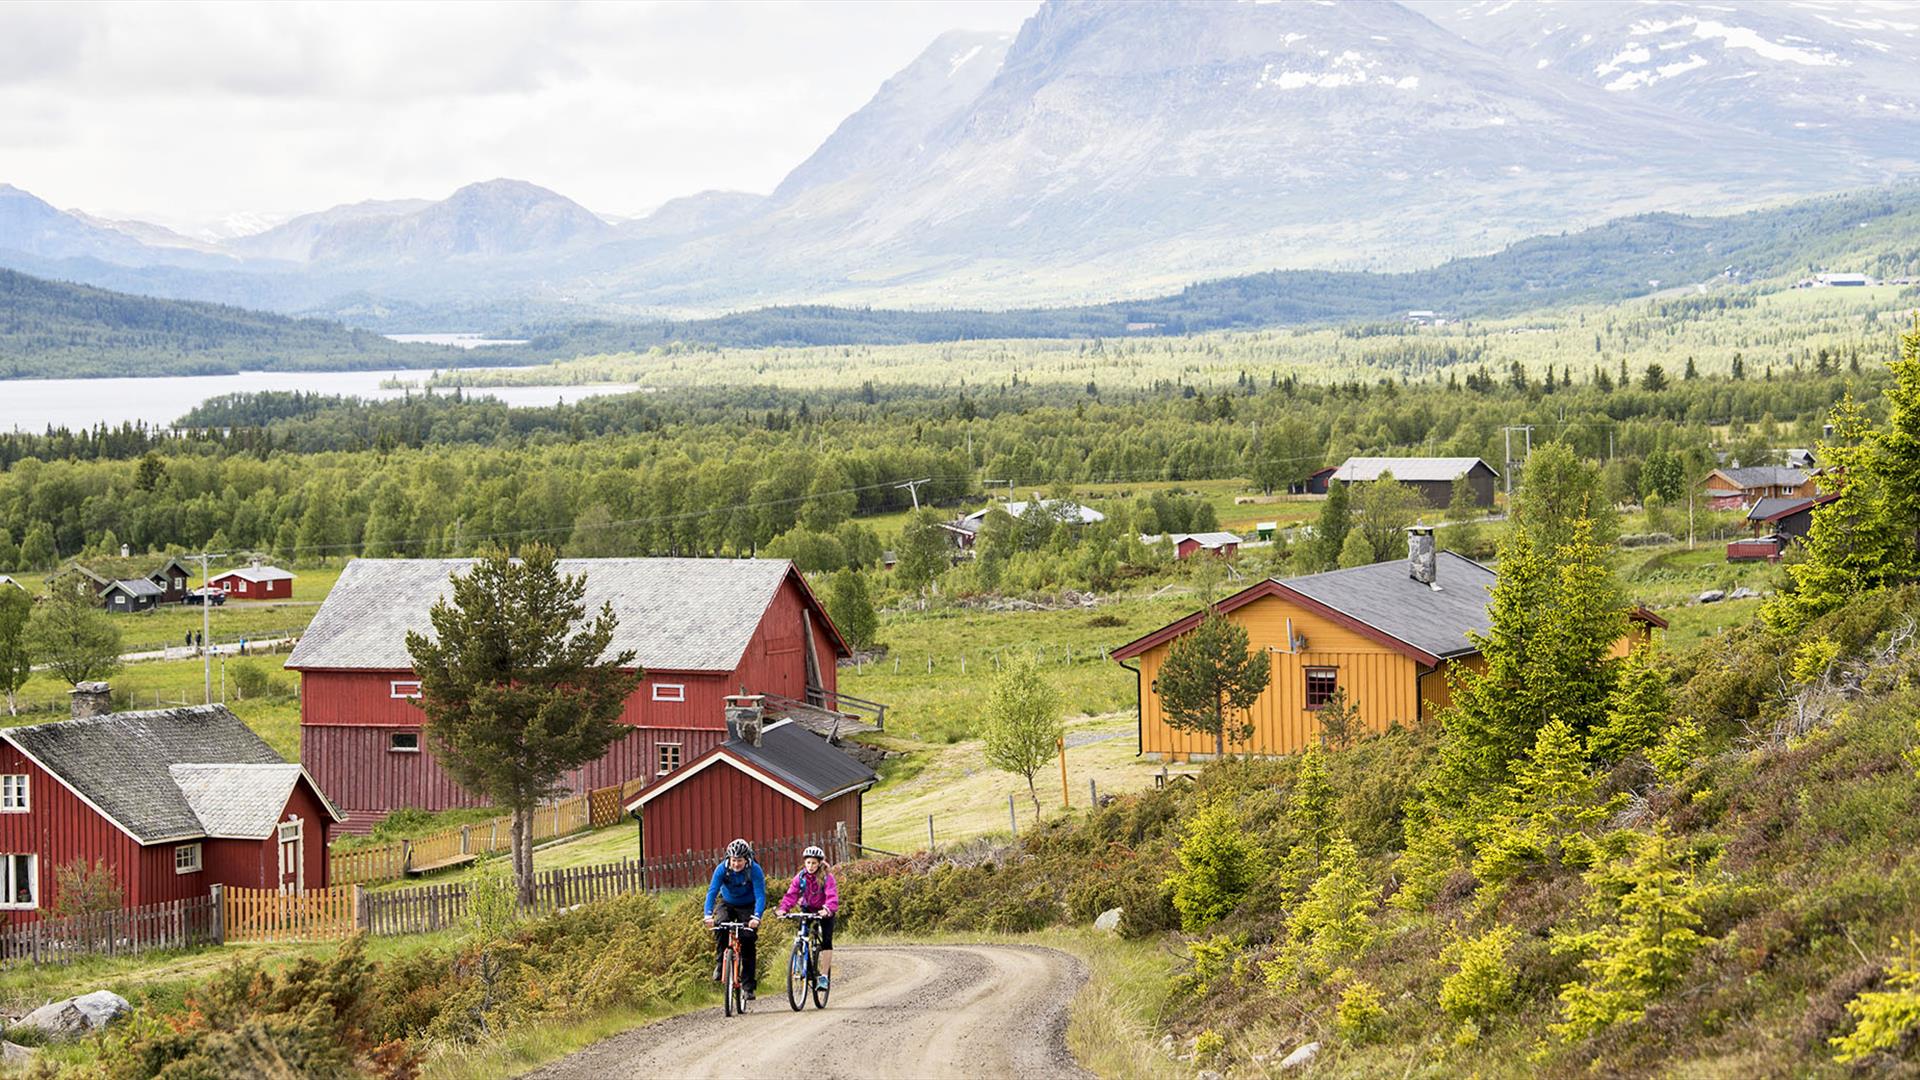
(896, 1011)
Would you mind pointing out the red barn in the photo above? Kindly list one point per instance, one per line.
(766, 784)
(254, 583)
(172, 801)
(700, 629)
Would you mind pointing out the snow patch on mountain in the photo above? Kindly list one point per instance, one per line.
(1740, 37)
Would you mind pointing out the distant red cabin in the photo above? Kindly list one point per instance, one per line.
(1221, 544)
(787, 783)
(254, 583)
(701, 629)
(170, 801)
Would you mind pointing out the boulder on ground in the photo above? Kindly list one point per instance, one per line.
(76, 1016)
(1301, 1056)
(1108, 920)
(1711, 596)
(1742, 593)
(15, 1056)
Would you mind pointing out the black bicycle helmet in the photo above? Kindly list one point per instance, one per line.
(740, 849)
(813, 852)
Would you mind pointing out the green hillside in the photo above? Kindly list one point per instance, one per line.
(53, 329)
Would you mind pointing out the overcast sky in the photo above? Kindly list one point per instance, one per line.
(186, 113)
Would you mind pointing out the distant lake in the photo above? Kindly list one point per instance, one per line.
(37, 404)
(459, 341)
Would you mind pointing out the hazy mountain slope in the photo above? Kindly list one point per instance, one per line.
(1126, 145)
(907, 113)
(294, 240)
(147, 233)
(1836, 72)
(692, 215)
(492, 218)
(31, 227)
(51, 328)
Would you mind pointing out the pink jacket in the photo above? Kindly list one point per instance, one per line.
(812, 892)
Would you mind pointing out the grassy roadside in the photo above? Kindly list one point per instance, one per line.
(523, 1050)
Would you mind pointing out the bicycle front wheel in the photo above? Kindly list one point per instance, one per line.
(729, 980)
(797, 980)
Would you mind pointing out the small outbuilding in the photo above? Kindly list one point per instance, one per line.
(254, 583)
(1221, 544)
(133, 594)
(771, 783)
(1315, 483)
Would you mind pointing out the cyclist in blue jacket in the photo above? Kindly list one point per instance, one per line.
(738, 893)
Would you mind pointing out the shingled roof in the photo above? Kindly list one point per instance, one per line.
(1759, 476)
(802, 765)
(236, 801)
(1434, 619)
(122, 764)
(675, 614)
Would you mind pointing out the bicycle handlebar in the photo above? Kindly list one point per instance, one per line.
(731, 926)
(815, 915)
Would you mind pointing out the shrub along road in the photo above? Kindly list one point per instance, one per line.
(897, 1010)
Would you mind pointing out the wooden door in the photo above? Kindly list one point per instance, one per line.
(293, 865)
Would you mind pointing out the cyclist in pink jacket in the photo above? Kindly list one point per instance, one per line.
(813, 890)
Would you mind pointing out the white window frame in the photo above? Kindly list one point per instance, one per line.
(660, 766)
(660, 691)
(394, 689)
(8, 864)
(392, 749)
(194, 862)
(16, 791)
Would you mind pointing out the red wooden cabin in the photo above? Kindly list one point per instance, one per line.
(171, 801)
(254, 583)
(770, 783)
(700, 629)
(1222, 544)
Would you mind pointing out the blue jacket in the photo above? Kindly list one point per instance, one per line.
(737, 889)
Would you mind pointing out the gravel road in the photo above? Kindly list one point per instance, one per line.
(896, 1011)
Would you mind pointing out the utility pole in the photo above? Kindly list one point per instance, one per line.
(1527, 430)
(991, 483)
(913, 488)
(206, 617)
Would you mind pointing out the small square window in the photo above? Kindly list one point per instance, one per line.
(669, 755)
(669, 692)
(404, 688)
(403, 742)
(13, 794)
(19, 882)
(186, 859)
(1322, 682)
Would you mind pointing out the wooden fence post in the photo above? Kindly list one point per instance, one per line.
(359, 906)
(218, 900)
(406, 857)
(929, 834)
(1013, 819)
(839, 842)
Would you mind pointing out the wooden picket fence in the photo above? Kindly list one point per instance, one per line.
(268, 915)
(451, 847)
(176, 924)
(428, 908)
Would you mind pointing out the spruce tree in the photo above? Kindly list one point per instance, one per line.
(1330, 532)
(1211, 679)
(1637, 708)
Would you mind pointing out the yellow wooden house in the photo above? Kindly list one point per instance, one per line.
(1385, 633)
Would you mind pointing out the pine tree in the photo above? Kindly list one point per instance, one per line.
(1211, 679)
(518, 686)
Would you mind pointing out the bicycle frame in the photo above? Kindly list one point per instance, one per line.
(805, 957)
(734, 991)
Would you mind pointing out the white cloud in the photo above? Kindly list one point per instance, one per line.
(189, 112)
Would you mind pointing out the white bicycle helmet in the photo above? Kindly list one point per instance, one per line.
(740, 849)
(813, 852)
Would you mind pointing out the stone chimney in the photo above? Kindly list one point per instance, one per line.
(1421, 561)
(744, 716)
(91, 699)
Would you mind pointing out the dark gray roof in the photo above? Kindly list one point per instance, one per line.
(1753, 476)
(121, 762)
(1422, 469)
(675, 614)
(1384, 596)
(1775, 505)
(136, 587)
(803, 760)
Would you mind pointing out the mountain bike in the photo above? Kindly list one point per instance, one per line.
(803, 973)
(732, 990)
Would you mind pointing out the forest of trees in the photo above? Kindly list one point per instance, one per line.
(732, 472)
